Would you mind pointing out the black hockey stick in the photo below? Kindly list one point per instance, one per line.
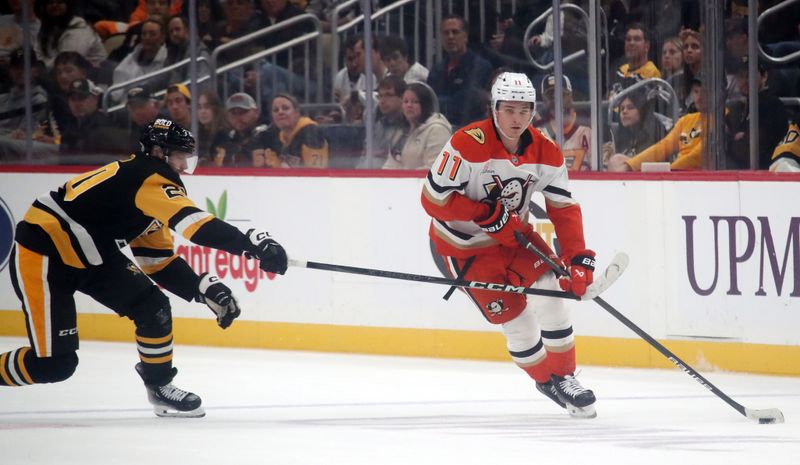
(763, 416)
(434, 279)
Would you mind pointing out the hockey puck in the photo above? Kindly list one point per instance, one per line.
(764, 421)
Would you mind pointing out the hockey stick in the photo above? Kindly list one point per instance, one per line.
(763, 416)
(612, 273)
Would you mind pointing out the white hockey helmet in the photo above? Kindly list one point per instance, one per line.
(513, 87)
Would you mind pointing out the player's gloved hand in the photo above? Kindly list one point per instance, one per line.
(581, 273)
(219, 299)
(501, 224)
(271, 255)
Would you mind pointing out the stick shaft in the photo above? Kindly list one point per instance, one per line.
(685, 367)
(434, 280)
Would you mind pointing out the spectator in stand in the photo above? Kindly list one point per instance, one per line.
(394, 54)
(671, 58)
(143, 109)
(212, 123)
(345, 81)
(460, 76)
(735, 52)
(109, 27)
(11, 29)
(692, 63)
(62, 31)
(292, 141)
(772, 120)
(235, 147)
(147, 56)
(241, 18)
(428, 130)
(636, 65)
(637, 129)
(12, 103)
(391, 126)
(178, 100)
(93, 137)
(577, 138)
(685, 141)
(178, 48)
(160, 9)
(208, 13)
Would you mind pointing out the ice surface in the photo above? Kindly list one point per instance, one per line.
(276, 407)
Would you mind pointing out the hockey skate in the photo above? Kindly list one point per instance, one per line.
(170, 401)
(550, 391)
(578, 400)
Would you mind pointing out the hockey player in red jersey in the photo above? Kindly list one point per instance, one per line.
(477, 193)
(70, 240)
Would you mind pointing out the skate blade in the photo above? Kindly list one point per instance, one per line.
(171, 413)
(581, 412)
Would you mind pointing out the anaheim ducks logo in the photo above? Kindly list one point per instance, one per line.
(510, 192)
(477, 134)
(496, 307)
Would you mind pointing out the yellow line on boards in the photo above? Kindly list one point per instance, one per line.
(442, 343)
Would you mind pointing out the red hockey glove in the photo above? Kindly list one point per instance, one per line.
(500, 224)
(581, 273)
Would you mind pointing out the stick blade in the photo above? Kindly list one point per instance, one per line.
(766, 416)
(613, 271)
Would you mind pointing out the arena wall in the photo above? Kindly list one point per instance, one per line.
(714, 273)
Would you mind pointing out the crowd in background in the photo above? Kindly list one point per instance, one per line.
(270, 116)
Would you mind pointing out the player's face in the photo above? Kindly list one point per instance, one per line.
(284, 114)
(179, 161)
(513, 118)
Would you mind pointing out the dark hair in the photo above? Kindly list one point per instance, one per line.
(158, 21)
(74, 58)
(391, 44)
(51, 29)
(426, 99)
(396, 83)
(464, 24)
(288, 97)
(641, 27)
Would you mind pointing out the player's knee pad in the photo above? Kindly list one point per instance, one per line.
(522, 333)
(52, 369)
(152, 313)
(551, 312)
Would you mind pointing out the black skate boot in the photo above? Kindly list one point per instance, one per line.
(550, 391)
(578, 400)
(170, 401)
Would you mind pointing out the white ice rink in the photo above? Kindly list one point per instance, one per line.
(271, 407)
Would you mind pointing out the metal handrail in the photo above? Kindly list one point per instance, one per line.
(614, 101)
(771, 59)
(336, 29)
(272, 50)
(569, 58)
(146, 77)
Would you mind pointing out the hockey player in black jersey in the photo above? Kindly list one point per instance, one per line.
(70, 240)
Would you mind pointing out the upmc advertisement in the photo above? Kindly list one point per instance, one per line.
(712, 259)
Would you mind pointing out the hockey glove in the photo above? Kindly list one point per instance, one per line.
(219, 299)
(581, 271)
(271, 255)
(500, 224)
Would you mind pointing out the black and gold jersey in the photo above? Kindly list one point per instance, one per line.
(133, 201)
(787, 151)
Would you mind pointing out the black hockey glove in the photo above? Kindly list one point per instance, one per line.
(219, 299)
(271, 255)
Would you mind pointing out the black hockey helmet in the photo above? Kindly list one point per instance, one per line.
(168, 135)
